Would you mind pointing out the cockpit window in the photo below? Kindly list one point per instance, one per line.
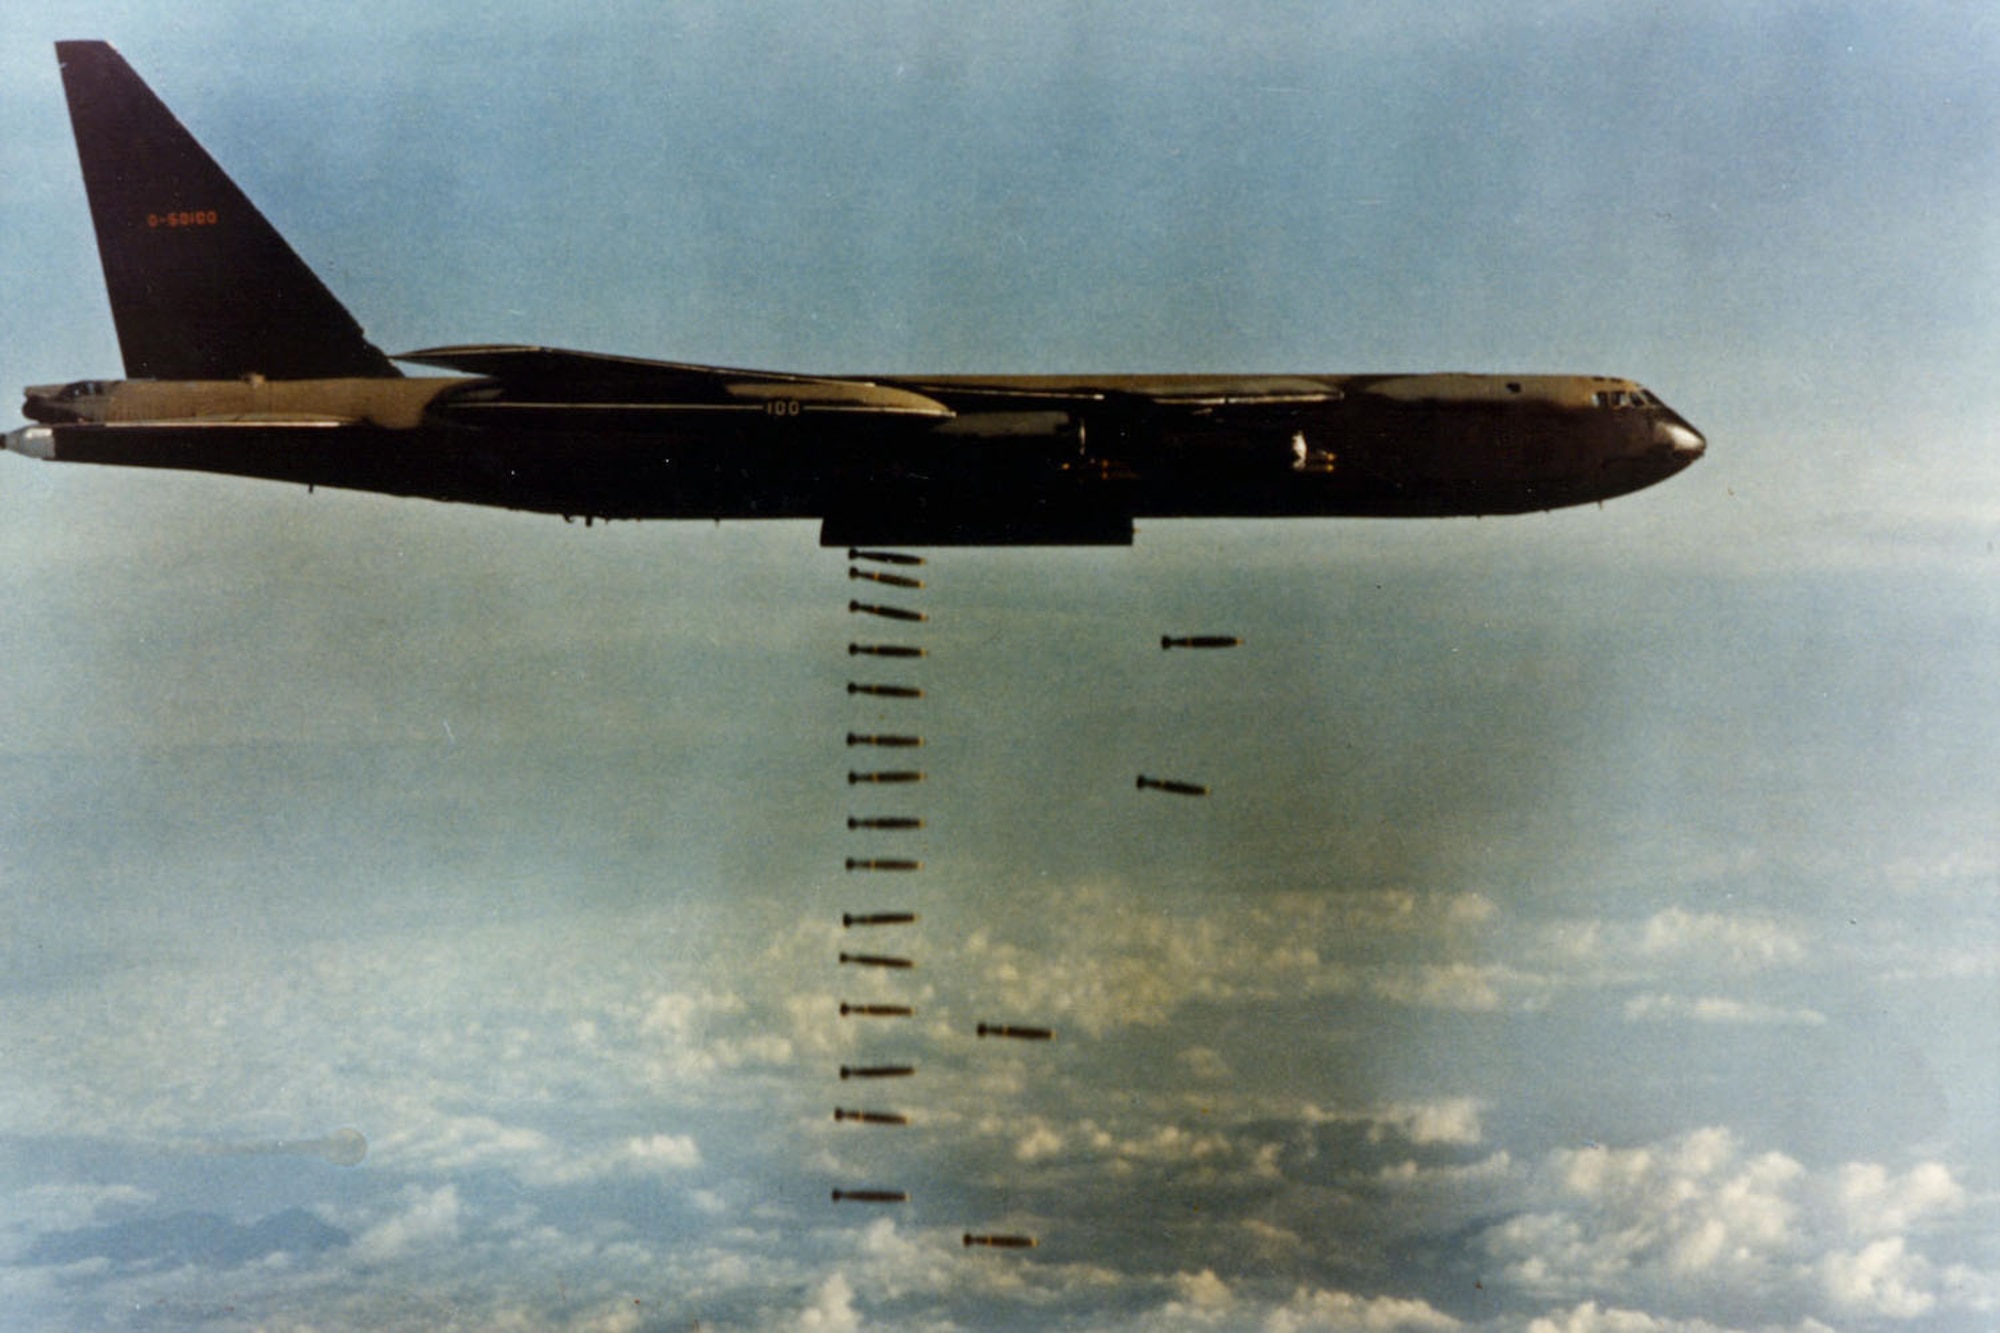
(1623, 398)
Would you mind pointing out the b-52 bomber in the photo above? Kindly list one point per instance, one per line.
(238, 360)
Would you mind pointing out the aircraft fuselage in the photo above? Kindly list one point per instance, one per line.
(907, 458)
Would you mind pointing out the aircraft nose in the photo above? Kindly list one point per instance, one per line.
(33, 441)
(1679, 439)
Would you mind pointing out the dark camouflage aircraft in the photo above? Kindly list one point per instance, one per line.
(239, 360)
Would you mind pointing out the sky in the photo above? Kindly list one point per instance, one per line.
(1592, 925)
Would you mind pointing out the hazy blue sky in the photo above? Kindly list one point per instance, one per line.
(1594, 924)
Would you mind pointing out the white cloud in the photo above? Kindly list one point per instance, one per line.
(1453, 1121)
(430, 1218)
(1039, 1142)
(1100, 970)
(428, 1140)
(1166, 1143)
(1467, 987)
(832, 1308)
(664, 1152)
(1203, 1292)
(681, 1015)
(1879, 1279)
(692, 1035)
(646, 1155)
(1595, 951)
(1311, 1311)
(1590, 1317)
(1203, 1300)
(1872, 1202)
(1699, 1202)
(1387, 911)
(449, 1145)
(1659, 1008)
(1734, 941)
(1697, 1218)
(1408, 1174)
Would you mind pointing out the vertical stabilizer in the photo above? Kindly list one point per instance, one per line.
(202, 286)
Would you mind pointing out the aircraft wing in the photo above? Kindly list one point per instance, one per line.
(552, 375)
(1239, 391)
(1134, 392)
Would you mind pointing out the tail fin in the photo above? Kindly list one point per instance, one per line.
(202, 287)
